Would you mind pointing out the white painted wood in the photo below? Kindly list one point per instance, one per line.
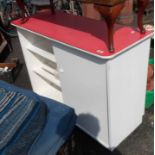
(107, 94)
(83, 84)
(42, 53)
(48, 76)
(42, 70)
(126, 78)
(117, 87)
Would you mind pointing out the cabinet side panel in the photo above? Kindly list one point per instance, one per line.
(83, 80)
(127, 75)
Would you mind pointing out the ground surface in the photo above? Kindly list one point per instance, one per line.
(140, 142)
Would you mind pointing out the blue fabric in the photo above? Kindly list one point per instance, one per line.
(30, 130)
(26, 117)
(60, 123)
(14, 109)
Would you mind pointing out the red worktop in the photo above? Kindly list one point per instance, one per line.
(79, 32)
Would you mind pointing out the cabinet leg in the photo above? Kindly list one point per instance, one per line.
(142, 4)
(110, 14)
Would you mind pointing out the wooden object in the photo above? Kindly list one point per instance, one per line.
(13, 69)
(3, 43)
(126, 16)
(24, 11)
(52, 7)
(110, 11)
(142, 4)
(89, 11)
(9, 65)
(40, 5)
(8, 75)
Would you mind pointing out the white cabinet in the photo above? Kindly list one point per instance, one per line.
(106, 91)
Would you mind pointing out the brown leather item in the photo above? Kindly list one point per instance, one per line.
(109, 9)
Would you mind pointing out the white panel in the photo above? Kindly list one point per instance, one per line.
(42, 53)
(108, 95)
(83, 83)
(127, 76)
(41, 67)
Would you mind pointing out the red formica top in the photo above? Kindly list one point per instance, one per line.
(88, 35)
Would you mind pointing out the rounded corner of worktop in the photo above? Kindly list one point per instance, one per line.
(13, 24)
